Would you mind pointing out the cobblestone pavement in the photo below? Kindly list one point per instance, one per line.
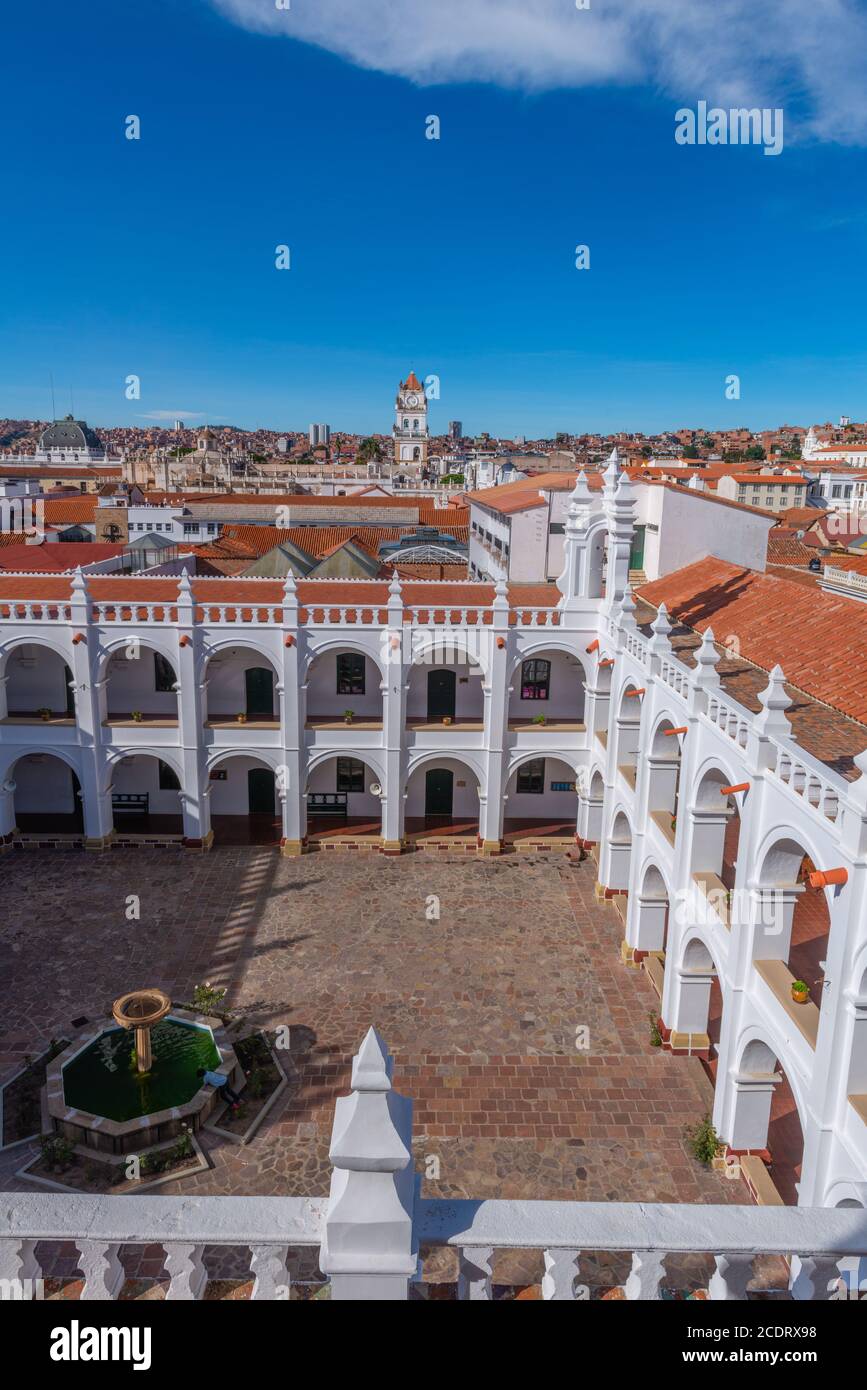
(480, 1008)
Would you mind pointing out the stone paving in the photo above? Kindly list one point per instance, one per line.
(480, 1008)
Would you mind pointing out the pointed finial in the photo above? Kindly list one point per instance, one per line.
(185, 588)
(371, 1065)
(660, 623)
(706, 660)
(290, 588)
(774, 702)
(395, 586)
(580, 494)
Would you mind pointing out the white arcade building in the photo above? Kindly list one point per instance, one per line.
(392, 718)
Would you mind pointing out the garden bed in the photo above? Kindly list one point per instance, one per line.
(66, 1167)
(266, 1080)
(20, 1098)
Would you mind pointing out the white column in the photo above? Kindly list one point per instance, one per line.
(393, 689)
(195, 804)
(95, 771)
(368, 1246)
(496, 719)
(751, 1096)
(688, 1004)
(292, 778)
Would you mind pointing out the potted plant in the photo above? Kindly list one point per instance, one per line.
(674, 823)
(348, 716)
(44, 713)
(137, 716)
(447, 719)
(540, 719)
(241, 718)
(800, 991)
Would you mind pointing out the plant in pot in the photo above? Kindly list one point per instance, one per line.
(44, 713)
(447, 719)
(348, 716)
(800, 991)
(241, 718)
(137, 716)
(540, 719)
(674, 823)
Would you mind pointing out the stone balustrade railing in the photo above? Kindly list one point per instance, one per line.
(374, 1230)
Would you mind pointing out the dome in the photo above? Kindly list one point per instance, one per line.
(69, 434)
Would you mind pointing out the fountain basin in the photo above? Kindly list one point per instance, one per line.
(94, 1095)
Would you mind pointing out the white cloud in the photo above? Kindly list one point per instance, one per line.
(173, 415)
(807, 52)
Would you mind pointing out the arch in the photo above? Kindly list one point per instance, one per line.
(466, 756)
(232, 690)
(339, 798)
(573, 761)
(61, 649)
(243, 810)
(652, 906)
(137, 686)
(619, 822)
(144, 800)
(543, 802)
(769, 1115)
(660, 744)
(369, 756)
(333, 686)
(44, 802)
(445, 681)
(152, 642)
(422, 650)
(446, 805)
(65, 755)
(42, 681)
(715, 828)
(337, 646)
(801, 922)
(556, 689)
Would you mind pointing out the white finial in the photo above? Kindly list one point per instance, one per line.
(395, 586)
(774, 702)
(371, 1065)
(580, 494)
(290, 588)
(706, 659)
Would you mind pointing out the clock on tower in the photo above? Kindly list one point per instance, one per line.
(410, 424)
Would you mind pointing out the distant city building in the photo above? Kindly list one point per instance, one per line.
(844, 421)
(283, 445)
(319, 434)
(456, 429)
(179, 425)
(69, 441)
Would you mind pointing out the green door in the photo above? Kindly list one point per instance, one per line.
(260, 790)
(438, 792)
(441, 686)
(260, 690)
(636, 555)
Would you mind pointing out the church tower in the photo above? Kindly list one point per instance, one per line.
(410, 424)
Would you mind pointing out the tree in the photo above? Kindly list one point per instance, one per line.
(755, 451)
(690, 451)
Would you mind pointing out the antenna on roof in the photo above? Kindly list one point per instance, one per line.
(53, 407)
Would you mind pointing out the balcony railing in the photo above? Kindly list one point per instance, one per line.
(374, 1230)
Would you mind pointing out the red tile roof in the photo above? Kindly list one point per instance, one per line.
(61, 556)
(818, 639)
(785, 548)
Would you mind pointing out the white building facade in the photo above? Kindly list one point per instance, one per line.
(482, 706)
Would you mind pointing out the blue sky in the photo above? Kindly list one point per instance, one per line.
(156, 257)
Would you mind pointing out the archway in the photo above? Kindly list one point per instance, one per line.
(244, 801)
(141, 686)
(47, 796)
(344, 680)
(445, 687)
(547, 689)
(766, 1119)
(629, 733)
(619, 854)
(795, 918)
(442, 801)
(341, 802)
(663, 778)
(38, 685)
(240, 688)
(716, 830)
(541, 801)
(146, 796)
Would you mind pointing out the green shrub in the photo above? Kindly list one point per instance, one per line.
(703, 1141)
(655, 1035)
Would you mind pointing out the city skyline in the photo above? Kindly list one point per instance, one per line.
(455, 256)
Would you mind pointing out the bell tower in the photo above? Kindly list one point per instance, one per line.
(410, 431)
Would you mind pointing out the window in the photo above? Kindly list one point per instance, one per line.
(164, 676)
(168, 778)
(535, 680)
(837, 490)
(350, 775)
(350, 674)
(531, 777)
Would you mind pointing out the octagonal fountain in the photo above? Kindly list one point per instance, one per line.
(133, 1081)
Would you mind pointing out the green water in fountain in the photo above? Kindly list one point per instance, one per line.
(103, 1079)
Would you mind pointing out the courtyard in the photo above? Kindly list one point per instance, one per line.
(479, 974)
